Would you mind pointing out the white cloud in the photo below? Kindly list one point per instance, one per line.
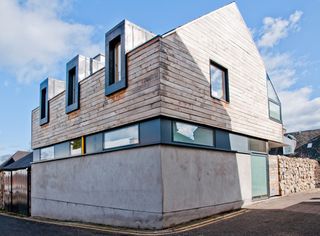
(36, 41)
(300, 111)
(275, 29)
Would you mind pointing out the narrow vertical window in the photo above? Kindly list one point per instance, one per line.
(72, 86)
(43, 103)
(115, 60)
(274, 102)
(115, 63)
(75, 147)
(219, 82)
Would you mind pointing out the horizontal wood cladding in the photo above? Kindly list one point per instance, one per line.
(223, 37)
(169, 76)
(99, 112)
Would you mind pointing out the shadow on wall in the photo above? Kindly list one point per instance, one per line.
(202, 181)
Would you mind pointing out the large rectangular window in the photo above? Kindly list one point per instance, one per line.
(219, 82)
(72, 86)
(193, 134)
(76, 147)
(47, 153)
(121, 137)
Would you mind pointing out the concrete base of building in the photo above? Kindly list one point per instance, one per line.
(151, 187)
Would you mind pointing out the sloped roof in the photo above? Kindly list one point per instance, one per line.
(15, 157)
(22, 163)
(310, 149)
(303, 137)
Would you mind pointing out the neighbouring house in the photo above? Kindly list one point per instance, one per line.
(305, 144)
(17, 185)
(11, 159)
(162, 130)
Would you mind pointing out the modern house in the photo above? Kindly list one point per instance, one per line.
(162, 130)
(305, 144)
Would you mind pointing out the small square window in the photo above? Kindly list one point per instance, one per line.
(219, 82)
(76, 147)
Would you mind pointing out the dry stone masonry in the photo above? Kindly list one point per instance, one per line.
(297, 174)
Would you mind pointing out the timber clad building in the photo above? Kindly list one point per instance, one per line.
(162, 130)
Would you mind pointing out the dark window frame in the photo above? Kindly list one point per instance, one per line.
(118, 32)
(193, 124)
(273, 101)
(123, 146)
(72, 65)
(226, 82)
(44, 105)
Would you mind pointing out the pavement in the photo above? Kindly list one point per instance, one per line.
(297, 214)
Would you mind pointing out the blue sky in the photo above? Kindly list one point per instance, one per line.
(39, 37)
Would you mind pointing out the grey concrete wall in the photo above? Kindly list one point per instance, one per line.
(120, 188)
(147, 187)
(199, 183)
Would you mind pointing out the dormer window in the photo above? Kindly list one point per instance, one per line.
(273, 102)
(115, 61)
(44, 104)
(115, 74)
(72, 88)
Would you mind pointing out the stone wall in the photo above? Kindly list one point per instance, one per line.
(297, 174)
(1, 189)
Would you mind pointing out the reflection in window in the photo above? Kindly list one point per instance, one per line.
(274, 102)
(47, 153)
(75, 147)
(218, 76)
(257, 145)
(121, 137)
(188, 133)
(274, 111)
(115, 60)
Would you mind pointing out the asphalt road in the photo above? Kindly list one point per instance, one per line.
(298, 215)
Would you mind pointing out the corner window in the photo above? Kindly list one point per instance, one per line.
(47, 153)
(219, 82)
(121, 137)
(76, 147)
(44, 104)
(72, 86)
(273, 102)
(193, 134)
